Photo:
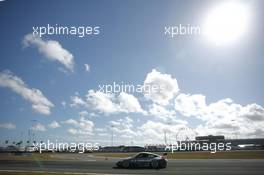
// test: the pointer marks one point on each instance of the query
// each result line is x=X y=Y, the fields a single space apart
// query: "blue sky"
x=131 y=45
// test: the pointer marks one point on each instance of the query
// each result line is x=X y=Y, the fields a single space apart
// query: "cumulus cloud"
x=168 y=87
x=222 y=117
x=129 y=103
x=39 y=102
x=126 y=130
x=245 y=121
x=169 y=107
x=54 y=125
x=71 y=122
x=87 y=67
x=102 y=102
x=164 y=114
x=39 y=127
x=190 y=105
x=165 y=89
x=81 y=126
x=253 y=112
x=83 y=113
x=77 y=102
x=160 y=111
x=7 y=126
x=154 y=132
x=51 y=49
x=123 y=127
x=108 y=103
x=63 y=103
x=72 y=131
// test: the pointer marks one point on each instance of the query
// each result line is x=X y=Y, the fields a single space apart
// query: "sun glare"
x=226 y=23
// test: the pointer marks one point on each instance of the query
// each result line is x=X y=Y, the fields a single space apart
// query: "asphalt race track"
x=220 y=166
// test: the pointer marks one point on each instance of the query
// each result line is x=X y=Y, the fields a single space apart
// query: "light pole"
x=169 y=132
x=235 y=133
x=165 y=136
x=31 y=132
x=112 y=136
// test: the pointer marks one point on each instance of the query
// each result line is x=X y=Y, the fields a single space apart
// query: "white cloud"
x=151 y=132
x=77 y=101
x=253 y=112
x=51 y=49
x=232 y=119
x=39 y=102
x=101 y=101
x=63 y=103
x=108 y=103
x=222 y=117
x=190 y=105
x=87 y=67
x=165 y=114
x=129 y=103
x=83 y=113
x=161 y=112
x=125 y=122
x=54 y=125
x=71 y=122
x=81 y=126
x=72 y=131
x=100 y=129
x=123 y=128
x=39 y=127
x=7 y=126
x=154 y=132
x=168 y=87
x=125 y=131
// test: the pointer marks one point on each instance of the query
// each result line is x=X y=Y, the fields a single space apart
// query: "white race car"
x=143 y=160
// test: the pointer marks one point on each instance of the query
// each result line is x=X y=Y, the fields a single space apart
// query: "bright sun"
x=226 y=23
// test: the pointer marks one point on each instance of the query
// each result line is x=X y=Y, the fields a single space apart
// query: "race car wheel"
x=125 y=164
x=162 y=164
x=155 y=164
